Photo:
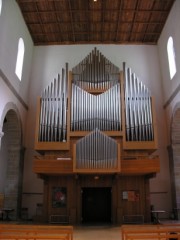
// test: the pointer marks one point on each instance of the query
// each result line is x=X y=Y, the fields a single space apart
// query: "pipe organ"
x=96 y=96
x=96 y=119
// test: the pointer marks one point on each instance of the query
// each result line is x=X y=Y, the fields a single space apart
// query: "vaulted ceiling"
x=95 y=21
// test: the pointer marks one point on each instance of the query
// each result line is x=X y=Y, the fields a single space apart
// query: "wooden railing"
x=51 y=166
x=35 y=232
x=149 y=232
x=140 y=165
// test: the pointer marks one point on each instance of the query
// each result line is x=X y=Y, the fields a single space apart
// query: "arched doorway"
x=11 y=161
x=175 y=160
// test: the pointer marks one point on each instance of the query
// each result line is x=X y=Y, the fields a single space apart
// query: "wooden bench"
x=35 y=232
x=150 y=232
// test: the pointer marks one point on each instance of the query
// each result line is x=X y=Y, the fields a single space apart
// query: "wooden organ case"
x=96 y=129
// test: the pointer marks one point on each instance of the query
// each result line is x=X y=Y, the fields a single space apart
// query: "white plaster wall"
x=171 y=28
x=12 y=27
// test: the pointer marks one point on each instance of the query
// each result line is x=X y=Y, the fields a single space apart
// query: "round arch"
x=9 y=106
x=11 y=166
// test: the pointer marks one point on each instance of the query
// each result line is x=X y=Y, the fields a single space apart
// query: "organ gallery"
x=96 y=141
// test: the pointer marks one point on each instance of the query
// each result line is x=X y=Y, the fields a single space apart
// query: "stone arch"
x=9 y=106
x=11 y=158
x=175 y=156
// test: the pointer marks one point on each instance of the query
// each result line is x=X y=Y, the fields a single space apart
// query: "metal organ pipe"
x=138 y=110
x=53 y=110
x=103 y=110
x=95 y=151
x=95 y=72
x=95 y=111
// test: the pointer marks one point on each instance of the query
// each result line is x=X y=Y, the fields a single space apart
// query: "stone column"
x=1 y=135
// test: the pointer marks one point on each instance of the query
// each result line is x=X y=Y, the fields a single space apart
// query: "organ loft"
x=96 y=144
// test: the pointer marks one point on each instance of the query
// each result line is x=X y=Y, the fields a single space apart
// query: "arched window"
x=171 y=57
x=20 y=58
x=0 y=6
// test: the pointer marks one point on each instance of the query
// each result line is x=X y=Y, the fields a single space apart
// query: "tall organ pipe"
x=94 y=151
x=95 y=111
x=53 y=107
x=138 y=110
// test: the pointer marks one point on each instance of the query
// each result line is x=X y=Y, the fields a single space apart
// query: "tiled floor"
x=97 y=233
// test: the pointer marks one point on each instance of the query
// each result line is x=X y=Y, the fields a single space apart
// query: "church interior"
x=89 y=111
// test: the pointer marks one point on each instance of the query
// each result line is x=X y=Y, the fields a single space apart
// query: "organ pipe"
x=90 y=111
x=96 y=150
x=138 y=109
x=53 y=111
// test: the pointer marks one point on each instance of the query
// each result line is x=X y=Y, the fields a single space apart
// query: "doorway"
x=96 y=205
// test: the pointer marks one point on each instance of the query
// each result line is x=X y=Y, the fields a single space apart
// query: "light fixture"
x=96 y=177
